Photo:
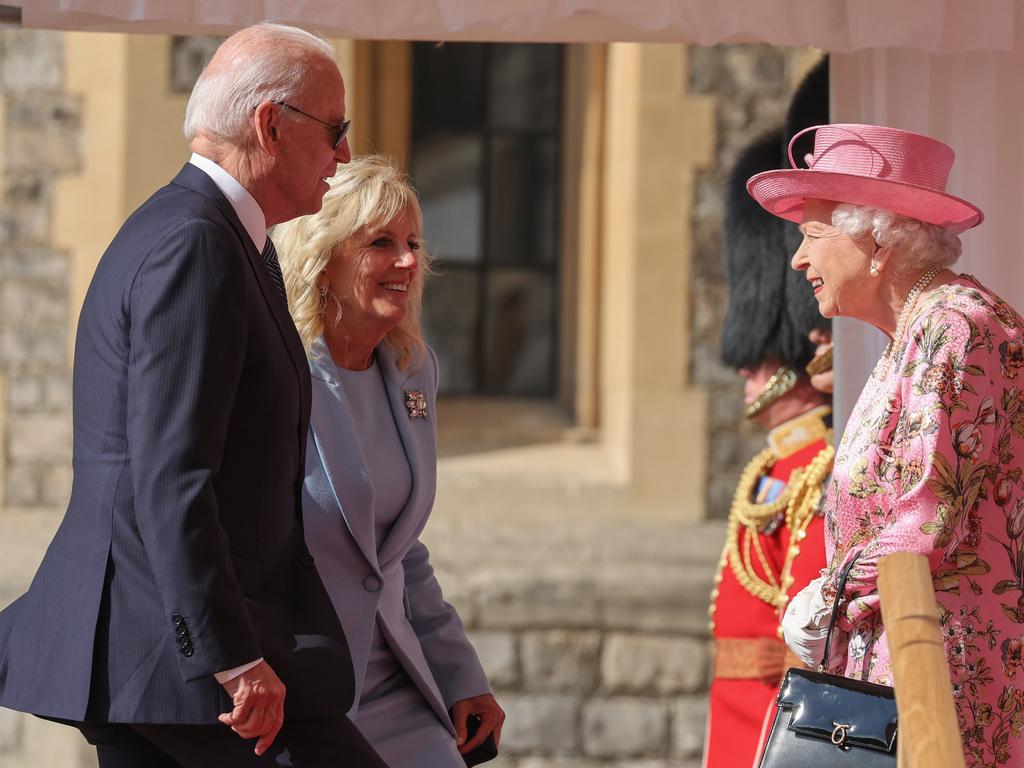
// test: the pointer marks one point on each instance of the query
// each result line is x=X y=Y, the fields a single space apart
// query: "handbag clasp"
x=839 y=733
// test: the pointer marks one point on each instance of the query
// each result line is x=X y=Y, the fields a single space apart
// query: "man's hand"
x=491 y=717
x=258 y=696
x=821 y=380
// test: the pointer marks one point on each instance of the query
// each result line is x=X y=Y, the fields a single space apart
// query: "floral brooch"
x=416 y=404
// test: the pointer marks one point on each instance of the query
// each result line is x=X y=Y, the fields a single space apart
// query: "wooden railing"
x=928 y=736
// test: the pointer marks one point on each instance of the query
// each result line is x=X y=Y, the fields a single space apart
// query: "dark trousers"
x=328 y=743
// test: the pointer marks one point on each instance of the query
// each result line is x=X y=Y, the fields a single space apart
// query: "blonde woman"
x=354 y=274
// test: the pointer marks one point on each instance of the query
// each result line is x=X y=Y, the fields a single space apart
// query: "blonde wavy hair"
x=366 y=194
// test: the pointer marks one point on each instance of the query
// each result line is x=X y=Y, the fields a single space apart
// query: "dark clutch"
x=486 y=751
x=825 y=721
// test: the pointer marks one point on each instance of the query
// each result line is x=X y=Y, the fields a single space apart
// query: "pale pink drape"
x=974 y=102
x=835 y=25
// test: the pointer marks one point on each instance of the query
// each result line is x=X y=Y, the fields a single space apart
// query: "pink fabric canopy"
x=939 y=26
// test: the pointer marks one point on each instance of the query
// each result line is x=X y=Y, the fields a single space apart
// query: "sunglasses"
x=340 y=131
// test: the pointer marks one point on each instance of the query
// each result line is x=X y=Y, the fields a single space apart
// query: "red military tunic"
x=750 y=656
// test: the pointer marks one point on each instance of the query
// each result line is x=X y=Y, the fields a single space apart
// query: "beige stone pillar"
x=653 y=422
x=131 y=144
x=3 y=441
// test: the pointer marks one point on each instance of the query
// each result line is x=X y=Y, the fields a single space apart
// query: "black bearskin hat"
x=808 y=107
x=771 y=306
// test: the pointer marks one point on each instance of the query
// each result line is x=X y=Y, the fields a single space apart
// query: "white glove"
x=805 y=623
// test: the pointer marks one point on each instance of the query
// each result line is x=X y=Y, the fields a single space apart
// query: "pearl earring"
x=873 y=271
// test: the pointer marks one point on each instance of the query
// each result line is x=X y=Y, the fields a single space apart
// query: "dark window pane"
x=523 y=201
x=520 y=330
x=524 y=92
x=448 y=87
x=447 y=173
x=449 y=326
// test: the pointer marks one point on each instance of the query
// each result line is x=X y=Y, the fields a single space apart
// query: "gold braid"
x=800 y=500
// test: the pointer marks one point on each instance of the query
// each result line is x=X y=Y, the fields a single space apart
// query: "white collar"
x=245 y=205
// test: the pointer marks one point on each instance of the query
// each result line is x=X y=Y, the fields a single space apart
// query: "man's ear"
x=266 y=122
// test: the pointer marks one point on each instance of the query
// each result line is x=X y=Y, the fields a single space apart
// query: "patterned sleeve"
x=940 y=439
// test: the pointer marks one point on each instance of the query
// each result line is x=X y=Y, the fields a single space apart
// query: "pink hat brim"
x=784 y=191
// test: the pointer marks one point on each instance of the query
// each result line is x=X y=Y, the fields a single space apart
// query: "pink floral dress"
x=931 y=462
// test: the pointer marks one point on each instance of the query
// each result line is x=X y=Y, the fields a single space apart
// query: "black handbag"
x=486 y=751
x=827 y=721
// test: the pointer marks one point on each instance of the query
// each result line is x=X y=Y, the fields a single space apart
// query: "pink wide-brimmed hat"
x=869 y=165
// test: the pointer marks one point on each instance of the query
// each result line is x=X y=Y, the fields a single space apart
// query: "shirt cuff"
x=230 y=674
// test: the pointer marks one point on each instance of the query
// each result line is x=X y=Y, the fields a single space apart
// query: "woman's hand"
x=491 y=718
x=805 y=623
x=824 y=379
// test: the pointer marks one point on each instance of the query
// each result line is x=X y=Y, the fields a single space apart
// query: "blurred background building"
x=590 y=438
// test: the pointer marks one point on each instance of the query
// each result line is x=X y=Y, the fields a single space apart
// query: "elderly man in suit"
x=178 y=591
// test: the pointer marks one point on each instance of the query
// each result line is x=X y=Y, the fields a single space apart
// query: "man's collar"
x=799 y=432
x=245 y=205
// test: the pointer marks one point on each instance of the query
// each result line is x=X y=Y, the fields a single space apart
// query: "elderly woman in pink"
x=932 y=455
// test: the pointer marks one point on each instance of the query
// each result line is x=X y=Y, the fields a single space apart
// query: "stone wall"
x=591 y=622
x=751 y=86
x=40 y=143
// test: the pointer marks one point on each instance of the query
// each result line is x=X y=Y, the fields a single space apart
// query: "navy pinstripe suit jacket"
x=181 y=553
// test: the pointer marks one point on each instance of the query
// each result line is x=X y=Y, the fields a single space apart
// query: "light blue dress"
x=393 y=714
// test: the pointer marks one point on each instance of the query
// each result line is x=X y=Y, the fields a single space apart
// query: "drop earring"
x=873 y=270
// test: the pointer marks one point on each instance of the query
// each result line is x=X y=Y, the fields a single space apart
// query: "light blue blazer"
x=393 y=578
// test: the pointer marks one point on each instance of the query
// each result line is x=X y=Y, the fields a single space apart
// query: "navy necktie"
x=274 y=267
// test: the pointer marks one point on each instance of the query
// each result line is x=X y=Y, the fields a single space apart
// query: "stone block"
x=56 y=486
x=689 y=716
x=24 y=537
x=504 y=761
x=625 y=727
x=560 y=660
x=542 y=603
x=32 y=349
x=41 y=148
x=548 y=724
x=652 y=664
x=24 y=393
x=10 y=730
x=29 y=223
x=58 y=391
x=39 y=437
x=33 y=60
x=497 y=652
x=51 y=745
x=33 y=304
x=36 y=263
x=22 y=485
x=673 y=600
x=188 y=57
x=27 y=188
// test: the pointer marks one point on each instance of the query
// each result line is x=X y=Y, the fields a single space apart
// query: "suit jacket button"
x=307 y=560
x=371 y=583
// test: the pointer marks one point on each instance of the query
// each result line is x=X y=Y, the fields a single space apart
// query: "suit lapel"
x=334 y=433
x=195 y=179
x=419 y=439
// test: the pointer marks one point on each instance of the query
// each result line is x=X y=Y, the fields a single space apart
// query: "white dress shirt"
x=255 y=223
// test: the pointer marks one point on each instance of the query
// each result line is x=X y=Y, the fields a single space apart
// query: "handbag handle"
x=840 y=586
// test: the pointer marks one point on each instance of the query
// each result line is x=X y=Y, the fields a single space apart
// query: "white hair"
x=265 y=62
x=916 y=244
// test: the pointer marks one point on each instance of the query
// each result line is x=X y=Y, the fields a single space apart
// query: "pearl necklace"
x=882 y=367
